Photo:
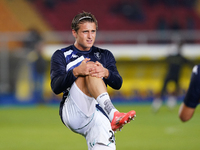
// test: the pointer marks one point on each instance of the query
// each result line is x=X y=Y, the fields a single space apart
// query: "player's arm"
x=114 y=79
x=192 y=97
x=185 y=112
x=60 y=78
x=108 y=71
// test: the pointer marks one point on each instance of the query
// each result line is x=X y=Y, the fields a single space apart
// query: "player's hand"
x=99 y=71
x=84 y=68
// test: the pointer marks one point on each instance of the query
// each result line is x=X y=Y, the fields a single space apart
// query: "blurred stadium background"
x=140 y=33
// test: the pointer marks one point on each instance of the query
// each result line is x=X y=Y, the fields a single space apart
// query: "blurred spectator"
x=39 y=68
x=175 y=63
x=179 y=3
x=190 y=23
x=175 y=25
x=32 y=39
x=188 y=3
x=130 y=9
x=152 y=2
x=161 y=24
x=50 y=3
x=171 y=3
x=34 y=46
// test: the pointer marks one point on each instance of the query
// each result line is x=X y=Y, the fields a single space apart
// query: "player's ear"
x=74 y=33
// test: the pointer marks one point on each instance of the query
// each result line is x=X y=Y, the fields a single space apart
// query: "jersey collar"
x=83 y=52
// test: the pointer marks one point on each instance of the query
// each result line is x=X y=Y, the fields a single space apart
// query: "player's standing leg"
x=80 y=115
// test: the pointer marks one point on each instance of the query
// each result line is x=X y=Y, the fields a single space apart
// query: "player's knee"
x=93 y=79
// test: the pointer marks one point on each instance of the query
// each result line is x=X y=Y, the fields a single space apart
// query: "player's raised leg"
x=98 y=90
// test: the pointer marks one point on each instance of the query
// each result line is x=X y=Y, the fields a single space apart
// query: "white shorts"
x=93 y=125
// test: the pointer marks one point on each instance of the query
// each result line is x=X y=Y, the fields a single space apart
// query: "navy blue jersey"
x=65 y=60
x=193 y=94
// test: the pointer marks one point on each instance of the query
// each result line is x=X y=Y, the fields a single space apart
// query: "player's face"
x=85 y=36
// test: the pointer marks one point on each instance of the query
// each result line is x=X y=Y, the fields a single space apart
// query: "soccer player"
x=82 y=71
x=192 y=97
x=175 y=64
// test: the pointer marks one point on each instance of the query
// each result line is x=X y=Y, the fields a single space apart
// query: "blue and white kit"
x=77 y=110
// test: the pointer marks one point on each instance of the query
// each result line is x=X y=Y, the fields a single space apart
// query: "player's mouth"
x=89 y=41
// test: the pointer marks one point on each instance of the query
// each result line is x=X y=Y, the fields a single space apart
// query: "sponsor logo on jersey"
x=74 y=56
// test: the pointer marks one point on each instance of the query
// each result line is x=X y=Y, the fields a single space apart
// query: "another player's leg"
x=157 y=102
x=172 y=96
x=98 y=90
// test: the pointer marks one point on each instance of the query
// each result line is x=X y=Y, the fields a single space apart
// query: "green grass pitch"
x=40 y=128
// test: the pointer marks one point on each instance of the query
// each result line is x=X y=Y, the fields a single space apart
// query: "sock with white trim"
x=106 y=104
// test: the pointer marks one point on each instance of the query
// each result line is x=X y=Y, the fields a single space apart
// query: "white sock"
x=106 y=104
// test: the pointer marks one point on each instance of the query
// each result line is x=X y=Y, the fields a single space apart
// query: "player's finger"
x=86 y=60
x=96 y=75
x=98 y=63
x=92 y=71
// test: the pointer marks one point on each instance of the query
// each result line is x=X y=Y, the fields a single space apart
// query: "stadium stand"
x=111 y=17
x=26 y=15
x=12 y=24
x=142 y=77
x=9 y=25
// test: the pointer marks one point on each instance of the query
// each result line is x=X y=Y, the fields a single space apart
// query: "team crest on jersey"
x=97 y=55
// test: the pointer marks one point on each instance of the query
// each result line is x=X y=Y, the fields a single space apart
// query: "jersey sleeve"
x=114 y=79
x=61 y=79
x=193 y=94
